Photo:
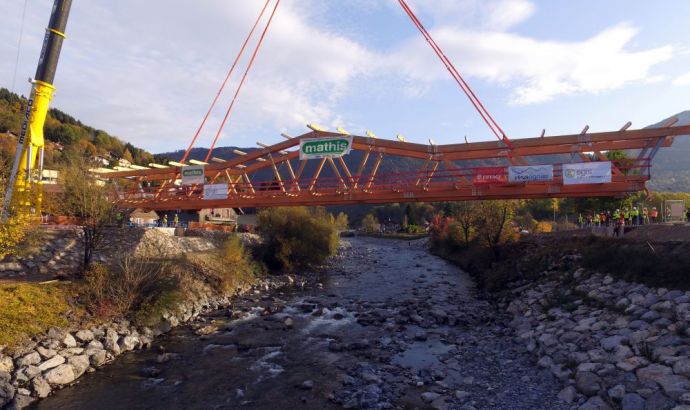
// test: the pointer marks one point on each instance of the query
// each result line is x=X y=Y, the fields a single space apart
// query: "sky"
x=146 y=71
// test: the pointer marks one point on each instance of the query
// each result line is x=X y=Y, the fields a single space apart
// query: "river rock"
x=682 y=367
x=617 y=392
x=674 y=385
x=95 y=345
x=429 y=396
x=40 y=387
x=128 y=343
x=595 y=403
x=6 y=364
x=79 y=364
x=307 y=385
x=653 y=372
x=568 y=394
x=61 y=375
x=21 y=401
x=54 y=361
x=45 y=352
x=98 y=357
x=69 y=340
x=612 y=342
x=29 y=359
x=633 y=401
x=6 y=392
x=84 y=336
x=588 y=383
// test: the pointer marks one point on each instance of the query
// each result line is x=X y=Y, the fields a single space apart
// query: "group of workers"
x=620 y=217
x=165 y=223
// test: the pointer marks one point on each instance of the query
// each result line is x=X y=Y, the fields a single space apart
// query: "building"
x=140 y=217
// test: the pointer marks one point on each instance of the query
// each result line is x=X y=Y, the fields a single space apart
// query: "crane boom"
x=24 y=185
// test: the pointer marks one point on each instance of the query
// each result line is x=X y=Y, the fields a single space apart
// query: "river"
x=392 y=327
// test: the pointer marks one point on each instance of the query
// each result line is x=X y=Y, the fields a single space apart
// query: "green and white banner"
x=192 y=175
x=327 y=147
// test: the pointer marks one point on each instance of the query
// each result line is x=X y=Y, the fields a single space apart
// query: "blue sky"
x=146 y=71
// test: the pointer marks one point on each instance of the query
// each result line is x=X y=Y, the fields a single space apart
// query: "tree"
x=493 y=218
x=370 y=224
x=88 y=200
x=295 y=238
x=465 y=214
x=341 y=221
x=13 y=229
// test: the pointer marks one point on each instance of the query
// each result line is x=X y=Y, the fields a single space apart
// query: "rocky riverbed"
x=391 y=326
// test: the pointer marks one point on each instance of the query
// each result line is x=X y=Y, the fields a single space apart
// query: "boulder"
x=595 y=403
x=674 y=386
x=54 y=361
x=653 y=372
x=617 y=392
x=568 y=394
x=588 y=383
x=633 y=401
x=429 y=396
x=69 y=340
x=612 y=342
x=6 y=392
x=98 y=358
x=40 y=387
x=29 y=359
x=61 y=375
x=45 y=352
x=6 y=364
x=128 y=343
x=682 y=367
x=79 y=364
x=84 y=336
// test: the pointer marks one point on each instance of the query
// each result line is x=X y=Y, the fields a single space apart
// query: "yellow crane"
x=24 y=189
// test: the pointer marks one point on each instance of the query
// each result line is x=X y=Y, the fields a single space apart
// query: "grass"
x=27 y=309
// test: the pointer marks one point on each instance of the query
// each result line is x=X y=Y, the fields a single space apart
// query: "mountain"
x=671 y=166
x=64 y=134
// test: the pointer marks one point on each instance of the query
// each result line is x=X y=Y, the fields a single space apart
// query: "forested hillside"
x=64 y=135
x=671 y=166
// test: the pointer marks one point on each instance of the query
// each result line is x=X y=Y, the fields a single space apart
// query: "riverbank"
x=579 y=308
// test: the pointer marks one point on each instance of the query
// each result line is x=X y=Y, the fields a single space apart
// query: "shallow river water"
x=392 y=327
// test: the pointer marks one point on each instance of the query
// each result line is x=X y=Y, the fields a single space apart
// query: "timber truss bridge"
x=274 y=175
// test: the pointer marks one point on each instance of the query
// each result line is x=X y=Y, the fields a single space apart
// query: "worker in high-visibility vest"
x=616 y=215
x=597 y=219
x=581 y=220
x=654 y=214
x=645 y=216
x=635 y=215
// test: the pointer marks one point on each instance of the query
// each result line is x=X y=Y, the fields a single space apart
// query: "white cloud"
x=536 y=70
x=682 y=80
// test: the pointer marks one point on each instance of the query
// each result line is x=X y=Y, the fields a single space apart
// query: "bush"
x=227 y=267
x=295 y=238
x=131 y=283
x=370 y=224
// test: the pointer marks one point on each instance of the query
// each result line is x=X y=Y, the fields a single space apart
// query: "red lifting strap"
x=244 y=77
x=222 y=86
x=483 y=112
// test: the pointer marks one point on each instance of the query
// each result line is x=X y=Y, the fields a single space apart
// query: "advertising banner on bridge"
x=530 y=173
x=587 y=173
x=215 y=191
x=327 y=147
x=490 y=175
x=193 y=174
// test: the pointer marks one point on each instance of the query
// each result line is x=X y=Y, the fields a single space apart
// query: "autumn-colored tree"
x=89 y=200
x=493 y=219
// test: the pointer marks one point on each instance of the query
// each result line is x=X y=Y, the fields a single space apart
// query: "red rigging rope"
x=483 y=112
x=244 y=77
x=222 y=86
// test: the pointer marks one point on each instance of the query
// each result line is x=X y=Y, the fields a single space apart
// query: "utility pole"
x=25 y=185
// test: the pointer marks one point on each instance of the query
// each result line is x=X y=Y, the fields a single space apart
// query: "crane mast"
x=24 y=193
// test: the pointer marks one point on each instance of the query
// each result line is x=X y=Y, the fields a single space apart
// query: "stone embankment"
x=59 y=357
x=612 y=343
x=60 y=252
